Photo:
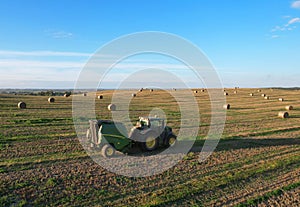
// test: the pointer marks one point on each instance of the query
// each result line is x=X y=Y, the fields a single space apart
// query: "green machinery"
x=149 y=133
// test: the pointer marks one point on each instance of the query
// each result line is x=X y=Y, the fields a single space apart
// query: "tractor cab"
x=156 y=125
x=152 y=122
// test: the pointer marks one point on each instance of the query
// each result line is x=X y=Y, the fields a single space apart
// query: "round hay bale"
x=22 y=105
x=251 y=94
x=235 y=92
x=226 y=106
x=202 y=90
x=263 y=95
x=225 y=94
x=51 y=100
x=195 y=91
x=281 y=99
x=100 y=97
x=111 y=107
x=84 y=94
x=283 y=114
x=267 y=97
x=151 y=90
x=133 y=95
x=141 y=89
x=66 y=95
x=258 y=90
x=289 y=108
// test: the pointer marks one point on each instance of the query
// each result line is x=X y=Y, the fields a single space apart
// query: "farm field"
x=257 y=162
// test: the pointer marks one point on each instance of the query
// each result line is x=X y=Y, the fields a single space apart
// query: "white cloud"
x=275 y=36
x=294 y=20
x=289 y=26
x=61 y=35
x=296 y=5
x=53 y=54
x=43 y=53
x=277 y=28
x=26 y=68
x=39 y=74
x=15 y=63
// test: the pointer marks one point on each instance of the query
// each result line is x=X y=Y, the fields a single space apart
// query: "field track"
x=257 y=162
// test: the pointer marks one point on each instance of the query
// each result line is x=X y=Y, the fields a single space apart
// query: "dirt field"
x=257 y=162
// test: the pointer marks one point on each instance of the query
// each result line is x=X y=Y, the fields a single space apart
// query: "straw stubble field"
x=257 y=162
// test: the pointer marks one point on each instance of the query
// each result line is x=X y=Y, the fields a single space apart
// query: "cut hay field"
x=257 y=162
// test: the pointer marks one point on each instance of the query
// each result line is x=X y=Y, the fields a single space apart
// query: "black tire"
x=108 y=151
x=171 y=141
x=150 y=142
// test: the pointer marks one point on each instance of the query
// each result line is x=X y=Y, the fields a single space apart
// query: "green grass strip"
x=277 y=192
x=197 y=186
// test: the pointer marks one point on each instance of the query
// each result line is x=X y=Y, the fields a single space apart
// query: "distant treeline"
x=36 y=92
x=52 y=93
x=291 y=88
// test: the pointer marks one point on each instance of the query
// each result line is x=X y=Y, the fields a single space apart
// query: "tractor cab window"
x=157 y=123
x=144 y=122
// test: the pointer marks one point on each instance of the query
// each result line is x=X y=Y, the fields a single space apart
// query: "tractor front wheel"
x=171 y=141
x=150 y=143
x=108 y=151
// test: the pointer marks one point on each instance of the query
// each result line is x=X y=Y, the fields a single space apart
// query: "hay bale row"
x=22 y=105
x=112 y=107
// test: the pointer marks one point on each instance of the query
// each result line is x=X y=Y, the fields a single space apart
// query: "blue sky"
x=45 y=44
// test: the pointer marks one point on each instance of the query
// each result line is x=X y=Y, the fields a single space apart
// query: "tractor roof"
x=151 y=118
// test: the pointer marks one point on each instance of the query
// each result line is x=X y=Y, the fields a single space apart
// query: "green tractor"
x=149 y=133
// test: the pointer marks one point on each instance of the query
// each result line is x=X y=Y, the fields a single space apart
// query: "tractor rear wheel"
x=150 y=143
x=108 y=151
